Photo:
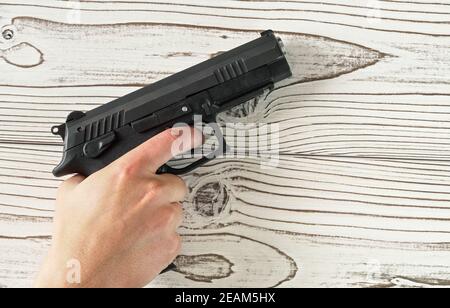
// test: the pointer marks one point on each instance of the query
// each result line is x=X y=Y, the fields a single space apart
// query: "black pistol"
x=94 y=139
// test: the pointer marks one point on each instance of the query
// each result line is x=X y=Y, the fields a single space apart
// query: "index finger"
x=157 y=151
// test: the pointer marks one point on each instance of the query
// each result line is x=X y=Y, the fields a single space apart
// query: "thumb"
x=69 y=185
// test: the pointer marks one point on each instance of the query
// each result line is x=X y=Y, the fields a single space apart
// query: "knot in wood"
x=8 y=34
x=211 y=199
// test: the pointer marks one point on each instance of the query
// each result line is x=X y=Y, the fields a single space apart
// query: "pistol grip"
x=205 y=159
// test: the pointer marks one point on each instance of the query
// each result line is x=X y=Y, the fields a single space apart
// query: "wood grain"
x=361 y=195
x=66 y=50
x=309 y=209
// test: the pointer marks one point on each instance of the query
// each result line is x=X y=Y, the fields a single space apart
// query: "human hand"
x=119 y=225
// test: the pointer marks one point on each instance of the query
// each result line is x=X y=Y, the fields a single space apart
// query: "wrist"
x=49 y=278
x=57 y=274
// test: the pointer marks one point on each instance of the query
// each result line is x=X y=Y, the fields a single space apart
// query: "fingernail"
x=177 y=132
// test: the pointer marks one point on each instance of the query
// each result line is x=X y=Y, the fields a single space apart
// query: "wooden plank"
x=362 y=218
x=354 y=123
x=407 y=126
x=392 y=200
x=316 y=262
x=63 y=58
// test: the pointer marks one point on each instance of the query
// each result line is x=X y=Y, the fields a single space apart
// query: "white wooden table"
x=362 y=194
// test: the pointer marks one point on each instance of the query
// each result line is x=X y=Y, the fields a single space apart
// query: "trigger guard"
x=180 y=171
x=223 y=148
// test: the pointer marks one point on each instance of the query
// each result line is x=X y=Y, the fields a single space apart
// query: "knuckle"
x=172 y=215
x=154 y=189
x=169 y=215
x=177 y=183
x=156 y=185
x=182 y=184
x=123 y=172
x=163 y=221
x=178 y=208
